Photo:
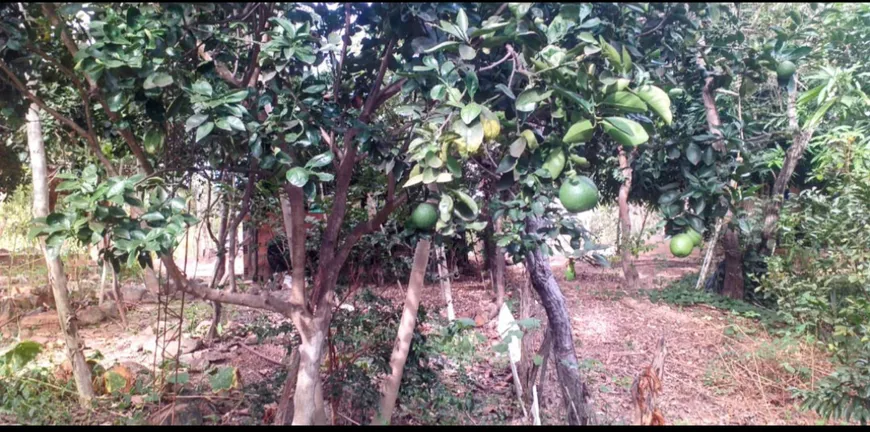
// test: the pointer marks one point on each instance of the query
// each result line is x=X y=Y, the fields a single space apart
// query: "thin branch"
x=509 y=54
x=368 y=108
x=345 y=40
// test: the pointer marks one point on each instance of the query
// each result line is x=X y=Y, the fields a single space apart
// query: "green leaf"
x=159 y=79
x=178 y=378
x=152 y=216
x=526 y=100
x=225 y=378
x=506 y=90
x=472 y=135
x=467 y=53
x=203 y=130
x=625 y=102
x=657 y=100
x=202 y=87
x=153 y=140
x=693 y=153
x=235 y=123
x=413 y=180
x=470 y=112
x=116 y=189
x=297 y=176
x=19 y=355
x=610 y=53
x=579 y=132
x=507 y=164
x=194 y=121
x=517 y=147
x=320 y=160
x=465 y=207
x=234 y=97
x=626 y=132
x=440 y=47
x=445 y=207
x=462 y=22
x=471 y=83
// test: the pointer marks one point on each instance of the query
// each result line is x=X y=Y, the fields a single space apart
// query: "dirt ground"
x=720 y=368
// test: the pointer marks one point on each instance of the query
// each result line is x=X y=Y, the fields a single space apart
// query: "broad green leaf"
x=234 y=97
x=626 y=132
x=203 y=130
x=20 y=354
x=470 y=112
x=413 y=180
x=518 y=147
x=152 y=216
x=445 y=207
x=465 y=207
x=526 y=100
x=159 y=79
x=555 y=163
x=626 y=60
x=297 y=176
x=178 y=378
x=610 y=53
x=429 y=176
x=434 y=161
x=235 y=123
x=194 y=121
x=467 y=53
x=472 y=135
x=531 y=139
x=153 y=140
x=579 y=132
x=444 y=177
x=224 y=378
x=202 y=87
x=693 y=153
x=657 y=100
x=625 y=102
x=462 y=22
x=320 y=160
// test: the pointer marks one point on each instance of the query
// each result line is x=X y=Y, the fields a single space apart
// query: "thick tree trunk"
x=444 y=278
x=628 y=269
x=308 y=396
x=152 y=284
x=574 y=392
x=65 y=314
x=405 y=334
x=733 y=286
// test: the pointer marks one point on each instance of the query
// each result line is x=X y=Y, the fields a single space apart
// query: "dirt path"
x=711 y=376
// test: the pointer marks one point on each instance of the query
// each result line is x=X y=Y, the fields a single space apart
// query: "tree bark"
x=733 y=286
x=219 y=270
x=574 y=392
x=628 y=269
x=284 y=414
x=405 y=334
x=444 y=278
x=65 y=314
x=793 y=156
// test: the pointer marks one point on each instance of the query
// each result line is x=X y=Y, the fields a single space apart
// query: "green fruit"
x=425 y=216
x=785 y=70
x=695 y=235
x=682 y=245
x=555 y=163
x=569 y=271
x=578 y=194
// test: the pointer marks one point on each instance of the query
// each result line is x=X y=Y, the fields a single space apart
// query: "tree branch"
x=369 y=106
x=364 y=228
x=345 y=40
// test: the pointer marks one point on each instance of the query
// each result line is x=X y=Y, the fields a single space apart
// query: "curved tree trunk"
x=65 y=314
x=628 y=269
x=574 y=392
x=405 y=334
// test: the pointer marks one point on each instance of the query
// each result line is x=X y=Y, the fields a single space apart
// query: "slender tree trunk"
x=444 y=277
x=218 y=273
x=793 y=156
x=65 y=314
x=497 y=268
x=628 y=269
x=525 y=367
x=733 y=285
x=405 y=334
x=574 y=392
x=119 y=299
x=103 y=282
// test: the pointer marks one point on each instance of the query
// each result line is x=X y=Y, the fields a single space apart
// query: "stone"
x=90 y=315
x=198 y=365
x=110 y=309
x=251 y=339
x=186 y=414
x=133 y=293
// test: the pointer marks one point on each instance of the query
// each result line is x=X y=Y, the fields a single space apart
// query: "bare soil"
x=720 y=368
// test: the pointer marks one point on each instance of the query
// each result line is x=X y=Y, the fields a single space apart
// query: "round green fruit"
x=425 y=216
x=578 y=194
x=785 y=70
x=682 y=245
x=695 y=235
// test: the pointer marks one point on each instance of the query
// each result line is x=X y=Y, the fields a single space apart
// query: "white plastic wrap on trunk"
x=506 y=324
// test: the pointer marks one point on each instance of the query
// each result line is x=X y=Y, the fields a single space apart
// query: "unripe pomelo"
x=695 y=235
x=682 y=245
x=425 y=216
x=578 y=194
x=785 y=70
